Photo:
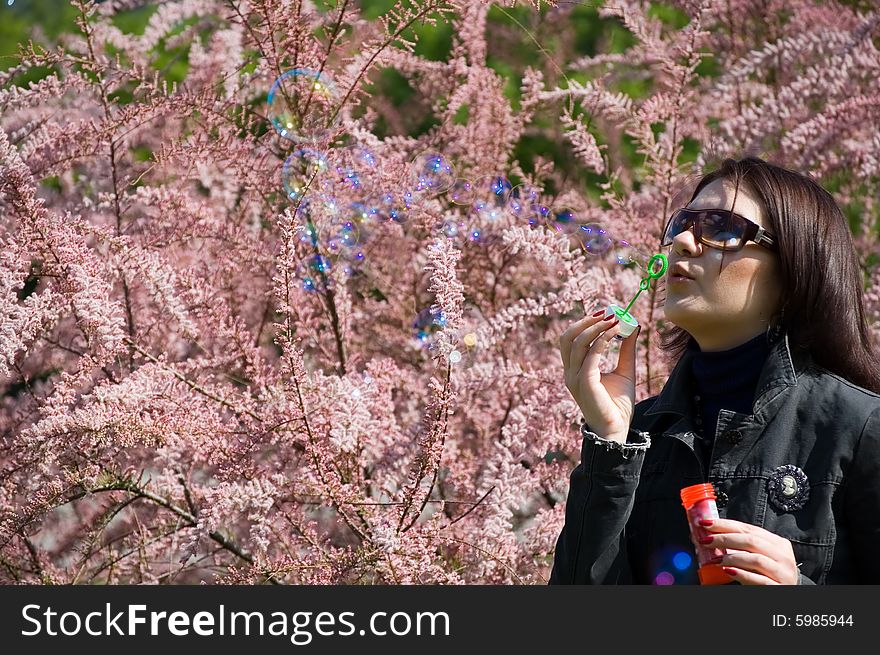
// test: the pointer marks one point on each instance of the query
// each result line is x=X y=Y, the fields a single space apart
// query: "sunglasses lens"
x=722 y=230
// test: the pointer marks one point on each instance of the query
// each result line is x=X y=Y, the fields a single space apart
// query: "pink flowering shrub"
x=254 y=330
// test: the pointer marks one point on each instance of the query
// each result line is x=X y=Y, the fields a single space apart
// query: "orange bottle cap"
x=695 y=493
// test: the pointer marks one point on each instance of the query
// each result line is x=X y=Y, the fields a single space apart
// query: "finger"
x=626 y=363
x=748 y=577
x=565 y=340
x=719 y=526
x=588 y=347
x=726 y=525
x=755 y=562
x=581 y=341
x=752 y=543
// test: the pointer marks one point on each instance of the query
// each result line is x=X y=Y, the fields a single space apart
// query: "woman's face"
x=723 y=306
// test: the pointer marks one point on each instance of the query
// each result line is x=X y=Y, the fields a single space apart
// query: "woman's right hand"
x=606 y=400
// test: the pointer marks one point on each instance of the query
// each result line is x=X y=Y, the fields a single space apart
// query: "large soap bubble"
x=303 y=105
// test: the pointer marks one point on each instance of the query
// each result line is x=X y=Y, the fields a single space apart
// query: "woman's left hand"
x=762 y=557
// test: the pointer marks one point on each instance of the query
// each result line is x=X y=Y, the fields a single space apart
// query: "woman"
x=775 y=399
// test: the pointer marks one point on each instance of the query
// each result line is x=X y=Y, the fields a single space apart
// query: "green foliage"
x=671 y=16
x=135 y=20
x=17 y=22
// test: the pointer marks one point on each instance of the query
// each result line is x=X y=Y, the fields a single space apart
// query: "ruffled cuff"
x=636 y=440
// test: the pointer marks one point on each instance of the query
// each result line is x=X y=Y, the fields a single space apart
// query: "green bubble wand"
x=628 y=322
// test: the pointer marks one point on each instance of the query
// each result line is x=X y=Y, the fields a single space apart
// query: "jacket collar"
x=781 y=369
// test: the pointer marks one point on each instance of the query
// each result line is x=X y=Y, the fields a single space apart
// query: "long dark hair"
x=822 y=283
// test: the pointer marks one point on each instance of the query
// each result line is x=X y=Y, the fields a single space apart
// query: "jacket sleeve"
x=863 y=502
x=591 y=549
x=804 y=580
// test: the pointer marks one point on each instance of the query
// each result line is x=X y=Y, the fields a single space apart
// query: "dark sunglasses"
x=717 y=228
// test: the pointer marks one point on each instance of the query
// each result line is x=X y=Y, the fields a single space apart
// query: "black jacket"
x=805 y=465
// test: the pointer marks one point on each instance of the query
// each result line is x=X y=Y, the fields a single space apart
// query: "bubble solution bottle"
x=699 y=503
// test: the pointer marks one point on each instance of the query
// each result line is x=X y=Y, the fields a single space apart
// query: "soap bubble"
x=428 y=321
x=313 y=274
x=565 y=220
x=594 y=239
x=351 y=261
x=362 y=213
x=431 y=173
x=521 y=199
x=462 y=192
x=303 y=105
x=344 y=236
x=393 y=206
x=303 y=171
x=332 y=238
x=353 y=166
x=308 y=233
x=475 y=235
x=622 y=252
x=539 y=215
x=453 y=228
x=491 y=195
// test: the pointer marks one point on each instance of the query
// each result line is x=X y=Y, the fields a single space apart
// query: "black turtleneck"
x=727 y=379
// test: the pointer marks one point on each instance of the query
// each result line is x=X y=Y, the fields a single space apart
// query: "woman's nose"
x=686 y=242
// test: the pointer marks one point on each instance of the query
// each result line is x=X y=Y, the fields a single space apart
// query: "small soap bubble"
x=393 y=207
x=345 y=236
x=521 y=199
x=594 y=239
x=319 y=264
x=428 y=321
x=455 y=357
x=565 y=220
x=470 y=339
x=302 y=172
x=539 y=215
x=462 y=192
x=308 y=233
x=452 y=228
x=491 y=195
x=431 y=173
x=303 y=105
x=362 y=213
x=624 y=254
x=353 y=167
x=313 y=273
